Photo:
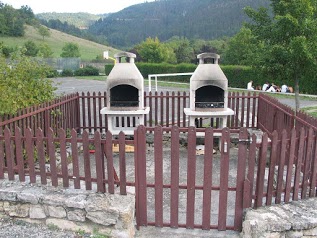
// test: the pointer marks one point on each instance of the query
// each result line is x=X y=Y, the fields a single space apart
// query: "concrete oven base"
x=124 y=119
x=209 y=114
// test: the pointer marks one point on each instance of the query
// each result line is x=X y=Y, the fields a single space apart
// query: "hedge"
x=238 y=76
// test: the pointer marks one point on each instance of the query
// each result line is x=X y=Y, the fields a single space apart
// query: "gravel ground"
x=14 y=228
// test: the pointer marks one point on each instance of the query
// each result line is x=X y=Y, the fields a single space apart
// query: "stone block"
x=1 y=206
x=294 y=234
x=76 y=215
x=103 y=218
x=310 y=232
x=56 y=211
x=17 y=210
x=8 y=195
x=55 y=199
x=77 y=201
x=97 y=202
x=30 y=195
x=37 y=212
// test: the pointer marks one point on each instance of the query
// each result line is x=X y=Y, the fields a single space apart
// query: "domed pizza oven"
x=208 y=91
x=125 y=95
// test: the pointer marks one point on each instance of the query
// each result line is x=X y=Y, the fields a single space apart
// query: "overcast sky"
x=90 y=6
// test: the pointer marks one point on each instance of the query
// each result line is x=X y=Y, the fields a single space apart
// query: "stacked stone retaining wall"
x=292 y=220
x=69 y=209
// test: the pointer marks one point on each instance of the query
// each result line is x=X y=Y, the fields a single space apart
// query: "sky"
x=90 y=6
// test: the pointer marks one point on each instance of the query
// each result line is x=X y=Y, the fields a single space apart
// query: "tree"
x=242 y=48
x=45 y=51
x=44 y=31
x=31 y=48
x=23 y=83
x=70 y=50
x=152 y=51
x=289 y=40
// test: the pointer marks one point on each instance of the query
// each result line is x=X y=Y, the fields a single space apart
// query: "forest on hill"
x=81 y=20
x=193 y=19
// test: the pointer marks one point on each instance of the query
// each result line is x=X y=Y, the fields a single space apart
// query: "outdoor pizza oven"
x=125 y=96
x=124 y=85
x=208 y=85
x=208 y=94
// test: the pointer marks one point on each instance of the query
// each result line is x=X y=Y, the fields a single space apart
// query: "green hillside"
x=88 y=49
x=193 y=19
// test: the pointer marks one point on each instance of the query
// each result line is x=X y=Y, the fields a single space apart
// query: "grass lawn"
x=310 y=110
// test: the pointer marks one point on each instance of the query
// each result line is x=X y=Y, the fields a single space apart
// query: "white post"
x=155 y=83
x=150 y=87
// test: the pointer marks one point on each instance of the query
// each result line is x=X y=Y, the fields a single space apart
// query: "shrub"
x=87 y=71
x=23 y=83
x=67 y=73
x=52 y=73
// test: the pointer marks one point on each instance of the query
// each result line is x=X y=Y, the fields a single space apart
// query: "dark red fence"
x=196 y=189
x=167 y=109
x=201 y=186
x=82 y=111
x=273 y=115
x=63 y=158
x=62 y=112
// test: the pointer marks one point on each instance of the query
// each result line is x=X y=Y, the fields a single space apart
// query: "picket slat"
x=290 y=166
x=19 y=154
x=174 y=176
x=299 y=163
x=280 y=181
x=158 y=165
x=224 y=179
x=122 y=163
x=208 y=160
x=191 y=174
x=307 y=163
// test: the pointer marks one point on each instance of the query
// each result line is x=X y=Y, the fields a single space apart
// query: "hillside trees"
x=289 y=40
x=12 y=20
x=23 y=83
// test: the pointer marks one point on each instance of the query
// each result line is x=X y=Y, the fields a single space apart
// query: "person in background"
x=271 y=88
x=249 y=86
x=284 y=88
x=265 y=86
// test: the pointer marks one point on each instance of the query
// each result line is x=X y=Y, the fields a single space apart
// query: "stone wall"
x=292 y=220
x=69 y=209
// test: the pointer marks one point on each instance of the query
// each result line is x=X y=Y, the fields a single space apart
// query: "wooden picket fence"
x=253 y=174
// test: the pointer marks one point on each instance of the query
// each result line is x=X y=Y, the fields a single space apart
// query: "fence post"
x=140 y=176
x=242 y=154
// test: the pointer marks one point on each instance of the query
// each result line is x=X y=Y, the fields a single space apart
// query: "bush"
x=87 y=71
x=23 y=83
x=67 y=73
x=52 y=73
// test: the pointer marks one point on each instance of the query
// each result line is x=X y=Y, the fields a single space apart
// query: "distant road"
x=72 y=85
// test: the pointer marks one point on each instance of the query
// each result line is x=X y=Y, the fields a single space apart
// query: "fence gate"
x=176 y=186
